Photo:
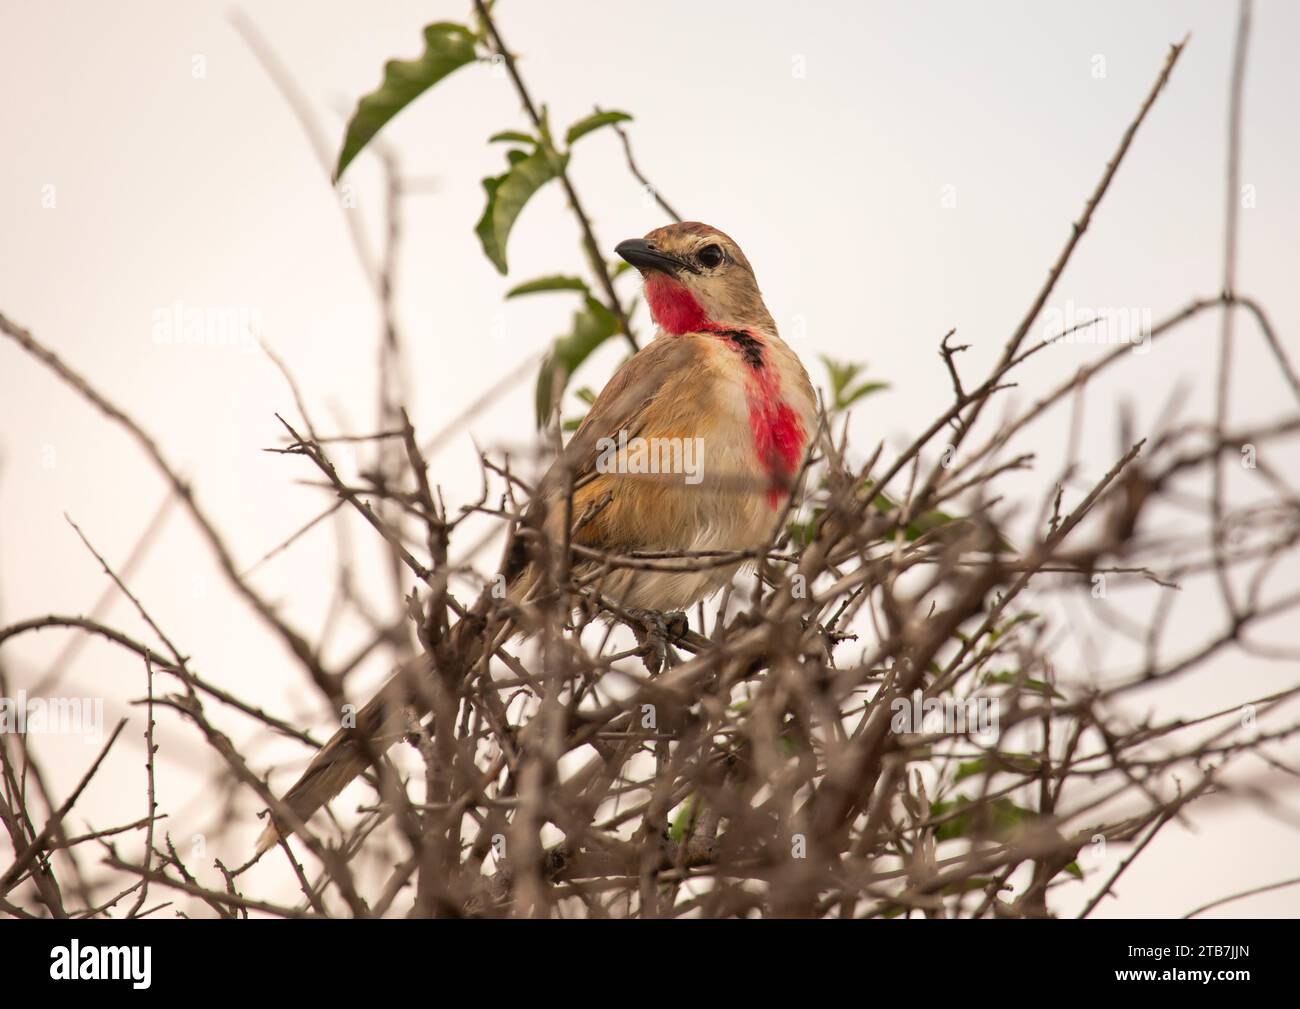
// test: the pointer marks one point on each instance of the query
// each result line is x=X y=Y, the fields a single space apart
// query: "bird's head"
x=696 y=278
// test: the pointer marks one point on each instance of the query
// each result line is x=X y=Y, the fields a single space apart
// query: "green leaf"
x=996 y=817
x=447 y=47
x=507 y=194
x=1020 y=618
x=842 y=374
x=592 y=326
x=968 y=885
x=801 y=533
x=556 y=282
x=513 y=137
x=931 y=520
x=573 y=423
x=1075 y=870
x=919 y=526
x=1029 y=683
x=683 y=820
x=1013 y=763
x=927 y=522
x=846 y=400
x=594 y=122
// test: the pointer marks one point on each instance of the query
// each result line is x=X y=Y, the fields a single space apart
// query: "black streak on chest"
x=750 y=349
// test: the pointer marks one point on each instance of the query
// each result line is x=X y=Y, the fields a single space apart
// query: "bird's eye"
x=710 y=256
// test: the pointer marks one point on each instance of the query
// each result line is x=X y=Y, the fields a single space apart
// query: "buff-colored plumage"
x=698 y=392
x=689 y=385
x=716 y=371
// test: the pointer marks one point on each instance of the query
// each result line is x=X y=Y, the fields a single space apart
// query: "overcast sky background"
x=828 y=138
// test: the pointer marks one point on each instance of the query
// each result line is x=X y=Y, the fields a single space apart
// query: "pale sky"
x=892 y=170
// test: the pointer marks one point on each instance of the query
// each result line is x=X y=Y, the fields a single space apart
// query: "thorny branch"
x=797 y=754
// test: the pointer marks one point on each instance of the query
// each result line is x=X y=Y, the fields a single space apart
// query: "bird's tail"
x=384 y=720
x=380 y=724
x=348 y=753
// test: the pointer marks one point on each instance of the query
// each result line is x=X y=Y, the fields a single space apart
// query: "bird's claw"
x=654 y=632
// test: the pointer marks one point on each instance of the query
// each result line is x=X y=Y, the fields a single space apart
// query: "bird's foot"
x=655 y=631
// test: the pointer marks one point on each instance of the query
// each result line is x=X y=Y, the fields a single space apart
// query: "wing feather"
x=654 y=393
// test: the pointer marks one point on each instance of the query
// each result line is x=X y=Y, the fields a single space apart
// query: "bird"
x=716 y=377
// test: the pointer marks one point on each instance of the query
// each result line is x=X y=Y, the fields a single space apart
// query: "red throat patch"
x=674 y=307
x=778 y=433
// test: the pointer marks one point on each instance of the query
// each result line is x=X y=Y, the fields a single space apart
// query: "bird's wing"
x=660 y=371
x=653 y=391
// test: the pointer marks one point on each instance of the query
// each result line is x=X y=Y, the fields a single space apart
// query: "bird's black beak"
x=644 y=255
